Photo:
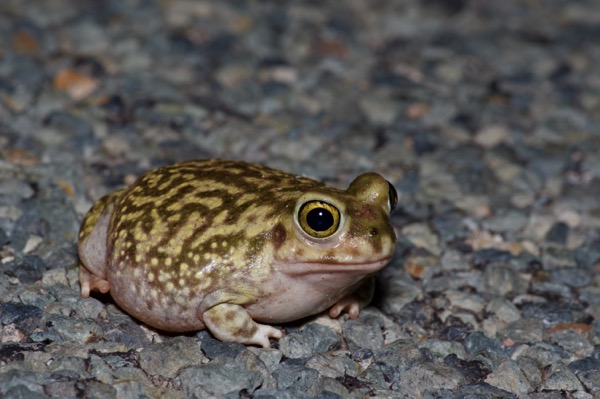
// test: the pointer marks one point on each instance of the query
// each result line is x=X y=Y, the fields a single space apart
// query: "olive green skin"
x=220 y=245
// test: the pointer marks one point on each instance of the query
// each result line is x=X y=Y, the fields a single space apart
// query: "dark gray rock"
x=590 y=295
x=510 y=377
x=471 y=370
x=506 y=221
x=3 y=238
x=427 y=378
x=72 y=329
x=482 y=348
x=167 y=358
x=443 y=348
x=75 y=366
x=557 y=257
x=551 y=290
x=25 y=317
x=458 y=280
x=99 y=390
x=313 y=338
x=586 y=364
x=273 y=393
x=47 y=214
x=22 y=392
x=213 y=348
x=400 y=354
x=454 y=260
x=554 y=312
x=28 y=269
x=14 y=188
x=558 y=378
x=481 y=390
x=123 y=329
x=575 y=278
x=590 y=379
x=492 y=255
x=295 y=377
x=254 y=362
x=21 y=381
x=532 y=369
x=397 y=293
x=364 y=332
x=219 y=378
x=450 y=227
x=545 y=354
x=524 y=330
x=595 y=332
x=558 y=233
x=588 y=254
x=334 y=364
x=379 y=376
x=501 y=279
x=572 y=341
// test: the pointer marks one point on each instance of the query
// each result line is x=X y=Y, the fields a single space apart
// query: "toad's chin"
x=359 y=268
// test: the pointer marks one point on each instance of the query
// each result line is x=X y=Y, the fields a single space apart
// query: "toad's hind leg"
x=353 y=303
x=90 y=282
x=229 y=322
x=93 y=246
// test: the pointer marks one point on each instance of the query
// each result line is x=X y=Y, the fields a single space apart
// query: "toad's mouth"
x=304 y=268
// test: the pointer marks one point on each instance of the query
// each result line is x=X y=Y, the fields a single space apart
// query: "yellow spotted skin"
x=218 y=244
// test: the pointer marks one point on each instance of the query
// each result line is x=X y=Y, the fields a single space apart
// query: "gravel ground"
x=484 y=114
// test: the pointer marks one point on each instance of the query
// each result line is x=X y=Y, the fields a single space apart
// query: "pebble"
x=313 y=339
x=213 y=348
x=334 y=365
x=465 y=301
x=556 y=257
x=295 y=377
x=427 y=377
x=422 y=237
x=398 y=293
x=509 y=377
x=453 y=260
x=558 y=377
x=504 y=281
x=491 y=136
x=364 y=332
x=503 y=310
x=506 y=222
x=156 y=359
x=444 y=348
x=400 y=355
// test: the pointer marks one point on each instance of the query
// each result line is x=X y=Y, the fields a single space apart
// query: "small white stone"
x=490 y=136
x=32 y=243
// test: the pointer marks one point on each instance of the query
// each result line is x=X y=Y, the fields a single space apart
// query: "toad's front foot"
x=91 y=282
x=232 y=323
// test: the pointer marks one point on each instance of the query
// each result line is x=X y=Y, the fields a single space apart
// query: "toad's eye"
x=393 y=197
x=319 y=219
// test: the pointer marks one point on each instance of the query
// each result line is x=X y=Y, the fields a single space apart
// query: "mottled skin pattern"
x=218 y=244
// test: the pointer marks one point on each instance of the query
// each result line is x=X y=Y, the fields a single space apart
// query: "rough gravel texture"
x=484 y=114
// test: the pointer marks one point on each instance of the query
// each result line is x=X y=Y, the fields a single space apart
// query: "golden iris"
x=319 y=219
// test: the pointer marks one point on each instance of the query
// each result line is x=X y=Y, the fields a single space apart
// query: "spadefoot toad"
x=228 y=245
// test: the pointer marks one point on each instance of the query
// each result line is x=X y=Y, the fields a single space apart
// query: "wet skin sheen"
x=228 y=245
